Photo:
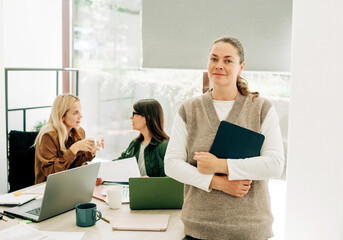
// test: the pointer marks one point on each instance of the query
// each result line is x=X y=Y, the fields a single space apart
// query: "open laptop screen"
x=63 y=191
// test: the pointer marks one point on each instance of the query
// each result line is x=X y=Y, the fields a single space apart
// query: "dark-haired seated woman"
x=150 y=146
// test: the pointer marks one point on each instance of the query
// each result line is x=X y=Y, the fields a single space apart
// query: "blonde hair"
x=59 y=109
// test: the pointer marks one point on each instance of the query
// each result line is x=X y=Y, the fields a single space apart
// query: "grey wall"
x=179 y=33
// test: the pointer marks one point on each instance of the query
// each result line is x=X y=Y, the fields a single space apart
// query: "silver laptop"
x=63 y=191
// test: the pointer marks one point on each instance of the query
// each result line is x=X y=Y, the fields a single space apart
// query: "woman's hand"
x=100 y=142
x=98 y=181
x=237 y=188
x=86 y=145
x=207 y=163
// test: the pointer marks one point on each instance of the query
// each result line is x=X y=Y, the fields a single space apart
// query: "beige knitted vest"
x=216 y=215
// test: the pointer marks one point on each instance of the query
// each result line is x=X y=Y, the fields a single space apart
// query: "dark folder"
x=233 y=141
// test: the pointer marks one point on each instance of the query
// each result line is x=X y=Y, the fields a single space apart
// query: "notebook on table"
x=141 y=222
x=233 y=141
x=13 y=199
x=155 y=193
x=63 y=191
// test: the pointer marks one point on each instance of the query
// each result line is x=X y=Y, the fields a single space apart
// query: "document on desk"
x=12 y=199
x=21 y=231
x=119 y=170
x=63 y=235
x=141 y=222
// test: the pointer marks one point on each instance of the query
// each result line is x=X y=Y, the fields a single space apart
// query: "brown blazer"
x=50 y=159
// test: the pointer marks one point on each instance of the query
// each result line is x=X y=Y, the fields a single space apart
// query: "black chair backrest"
x=21 y=159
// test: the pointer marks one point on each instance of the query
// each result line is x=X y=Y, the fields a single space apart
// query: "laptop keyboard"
x=35 y=211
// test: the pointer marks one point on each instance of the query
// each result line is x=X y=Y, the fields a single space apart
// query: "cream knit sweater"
x=216 y=215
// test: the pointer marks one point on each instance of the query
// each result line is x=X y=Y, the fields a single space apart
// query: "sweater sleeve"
x=47 y=154
x=175 y=161
x=271 y=161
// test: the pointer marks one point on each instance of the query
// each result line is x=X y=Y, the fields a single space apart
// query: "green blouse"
x=153 y=156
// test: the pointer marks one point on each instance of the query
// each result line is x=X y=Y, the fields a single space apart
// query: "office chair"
x=21 y=159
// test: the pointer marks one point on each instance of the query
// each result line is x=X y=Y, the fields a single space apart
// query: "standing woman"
x=61 y=143
x=225 y=198
x=150 y=146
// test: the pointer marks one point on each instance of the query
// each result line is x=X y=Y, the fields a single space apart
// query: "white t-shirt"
x=141 y=162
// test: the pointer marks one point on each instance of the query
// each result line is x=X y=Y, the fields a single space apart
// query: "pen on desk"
x=114 y=182
x=3 y=219
x=106 y=220
x=7 y=215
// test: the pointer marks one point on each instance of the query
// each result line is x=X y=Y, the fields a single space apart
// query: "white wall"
x=3 y=165
x=30 y=37
x=33 y=33
x=315 y=187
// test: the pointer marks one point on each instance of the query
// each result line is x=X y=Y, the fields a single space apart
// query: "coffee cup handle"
x=99 y=215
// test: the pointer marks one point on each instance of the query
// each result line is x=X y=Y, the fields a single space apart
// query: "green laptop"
x=155 y=193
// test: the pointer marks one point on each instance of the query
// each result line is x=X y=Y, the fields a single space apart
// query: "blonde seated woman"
x=61 y=143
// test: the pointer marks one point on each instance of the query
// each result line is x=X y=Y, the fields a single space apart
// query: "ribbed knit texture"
x=216 y=215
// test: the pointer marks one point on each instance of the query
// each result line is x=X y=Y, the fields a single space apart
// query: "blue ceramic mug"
x=86 y=214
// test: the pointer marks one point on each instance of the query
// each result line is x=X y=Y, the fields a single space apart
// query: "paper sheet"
x=120 y=170
x=20 y=232
x=22 y=197
x=24 y=231
x=11 y=199
x=63 y=235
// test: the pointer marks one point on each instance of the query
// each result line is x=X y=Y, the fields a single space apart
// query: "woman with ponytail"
x=225 y=198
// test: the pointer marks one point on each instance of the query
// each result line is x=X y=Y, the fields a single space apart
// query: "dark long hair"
x=152 y=111
x=241 y=84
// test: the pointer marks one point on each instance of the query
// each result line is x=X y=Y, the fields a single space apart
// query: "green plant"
x=39 y=125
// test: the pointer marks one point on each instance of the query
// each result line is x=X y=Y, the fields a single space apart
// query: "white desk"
x=66 y=222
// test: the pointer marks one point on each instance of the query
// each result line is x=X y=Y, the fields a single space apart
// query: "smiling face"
x=72 y=117
x=224 y=65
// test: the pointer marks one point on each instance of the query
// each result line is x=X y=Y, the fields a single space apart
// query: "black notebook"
x=235 y=142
